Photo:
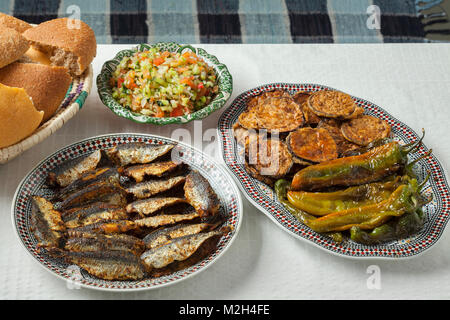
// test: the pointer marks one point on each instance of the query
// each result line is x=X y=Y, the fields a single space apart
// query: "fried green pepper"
x=323 y=203
x=402 y=200
x=399 y=228
x=371 y=166
x=281 y=188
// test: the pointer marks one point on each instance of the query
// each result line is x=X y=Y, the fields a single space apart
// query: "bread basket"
x=73 y=101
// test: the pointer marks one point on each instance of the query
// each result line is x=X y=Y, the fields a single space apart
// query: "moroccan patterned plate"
x=224 y=78
x=33 y=183
x=263 y=197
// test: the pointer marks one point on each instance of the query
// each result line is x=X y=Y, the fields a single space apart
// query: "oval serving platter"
x=33 y=183
x=263 y=197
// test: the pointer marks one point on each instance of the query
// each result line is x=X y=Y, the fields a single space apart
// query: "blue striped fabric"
x=234 y=21
x=349 y=25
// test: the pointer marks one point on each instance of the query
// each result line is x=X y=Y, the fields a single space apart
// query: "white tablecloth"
x=411 y=81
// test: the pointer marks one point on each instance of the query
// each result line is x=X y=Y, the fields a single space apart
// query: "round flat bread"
x=333 y=127
x=332 y=104
x=18 y=116
x=270 y=157
x=313 y=144
x=365 y=129
x=273 y=114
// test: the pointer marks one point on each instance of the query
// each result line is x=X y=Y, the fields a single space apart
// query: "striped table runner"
x=236 y=21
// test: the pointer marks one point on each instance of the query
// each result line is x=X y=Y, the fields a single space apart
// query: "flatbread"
x=332 y=104
x=18 y=116
x=365 y=129
x=313 y=144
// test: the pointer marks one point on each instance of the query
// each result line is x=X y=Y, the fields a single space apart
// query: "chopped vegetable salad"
x=164 y=84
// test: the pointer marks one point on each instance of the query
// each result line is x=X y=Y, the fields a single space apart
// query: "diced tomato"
x=188 y=81
x=131 y=84
x=178 y=111
x=120 y=82
x=159 y=112
x=202 y=90
x=165 y=54
x=158 y=61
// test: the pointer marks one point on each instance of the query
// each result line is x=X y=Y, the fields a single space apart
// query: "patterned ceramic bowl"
x=262 y=196
x=34 y=184
x=224 y=78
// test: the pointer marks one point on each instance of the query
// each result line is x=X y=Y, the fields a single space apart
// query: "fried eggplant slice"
x=252 y=171
x=165 y=220
x=268 y=94
x=240 y=134
x=152 y=187
x=92 y=213
x=98 y=192
x=89 y=242
x=358 y=112
x=130 y=153
x=200 y=194
x=104 y=174
x=163 y=236
x=365 y=129
x=151 y=205
x=269 y=157
x=179 y=249
x=157 y=169
x=108 y=265
x=333 y=127
x=332 y=104
x=47 y=224
x=106 y=227
x=274 y=115
x=312 y=144
x=301 y=98
x=72 y=170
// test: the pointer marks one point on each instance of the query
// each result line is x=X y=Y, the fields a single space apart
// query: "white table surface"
x=411 y=81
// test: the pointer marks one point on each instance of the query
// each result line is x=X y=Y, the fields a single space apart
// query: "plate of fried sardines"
x=127 y=212
x=335 y=170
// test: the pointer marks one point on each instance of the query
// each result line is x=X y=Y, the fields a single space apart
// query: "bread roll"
x=13 y=23
x=46 y=85
x=18 y=116
x=12 y=46
x=36 y=56
x=64 y=43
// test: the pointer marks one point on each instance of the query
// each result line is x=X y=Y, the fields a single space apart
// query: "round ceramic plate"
x=224 y=79
x=263 y=197
x=34 y=181
x=75 y=97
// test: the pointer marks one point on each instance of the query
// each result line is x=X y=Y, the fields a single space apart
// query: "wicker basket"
x=72 y=103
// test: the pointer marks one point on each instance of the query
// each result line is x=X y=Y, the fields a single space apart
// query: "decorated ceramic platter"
x=35 y=184
x=436 y=212
x=224 y=82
